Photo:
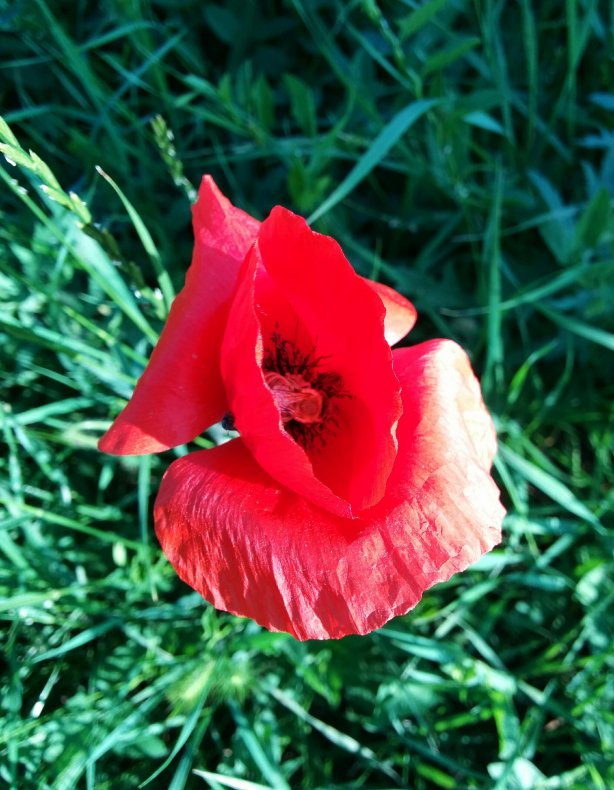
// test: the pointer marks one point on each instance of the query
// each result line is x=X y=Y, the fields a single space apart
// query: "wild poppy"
x=359 y=476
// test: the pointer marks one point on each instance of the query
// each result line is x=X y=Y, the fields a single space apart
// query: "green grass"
x=462 y=152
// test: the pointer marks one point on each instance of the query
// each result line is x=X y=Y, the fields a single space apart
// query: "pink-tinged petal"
x=181 y=391
x=303 y=287
x=251 y=547
x=401 y=315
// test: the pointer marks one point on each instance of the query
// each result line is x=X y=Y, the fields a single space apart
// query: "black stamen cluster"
x=285 y=357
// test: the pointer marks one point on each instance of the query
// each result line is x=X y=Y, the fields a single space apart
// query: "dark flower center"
x=304 y=393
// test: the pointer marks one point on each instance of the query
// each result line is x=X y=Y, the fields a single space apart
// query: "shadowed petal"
x=181 y=392
x=254 y=548
x=400 y=316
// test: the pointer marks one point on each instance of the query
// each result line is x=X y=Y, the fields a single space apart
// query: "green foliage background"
x=460 y=151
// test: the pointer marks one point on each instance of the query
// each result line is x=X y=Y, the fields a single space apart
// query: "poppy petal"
x=181 y=392
x=255 y=414
x=401 y=315
x=252 y=547
x=300 y=285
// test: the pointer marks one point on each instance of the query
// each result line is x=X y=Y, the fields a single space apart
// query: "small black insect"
x=228 y=422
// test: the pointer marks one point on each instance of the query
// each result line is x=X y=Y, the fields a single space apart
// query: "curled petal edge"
x=401 y=315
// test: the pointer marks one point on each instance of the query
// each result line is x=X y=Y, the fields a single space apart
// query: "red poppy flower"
x=360 y=476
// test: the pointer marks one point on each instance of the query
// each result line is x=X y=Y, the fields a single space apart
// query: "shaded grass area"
x=462 y=152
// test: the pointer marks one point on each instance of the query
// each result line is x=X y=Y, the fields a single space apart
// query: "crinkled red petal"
x=401 y=315
x=253 y=548
x=181 y=391
x=300 y=285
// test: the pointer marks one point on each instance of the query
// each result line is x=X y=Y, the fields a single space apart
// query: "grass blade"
x=384 y=141
x=148 y=243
